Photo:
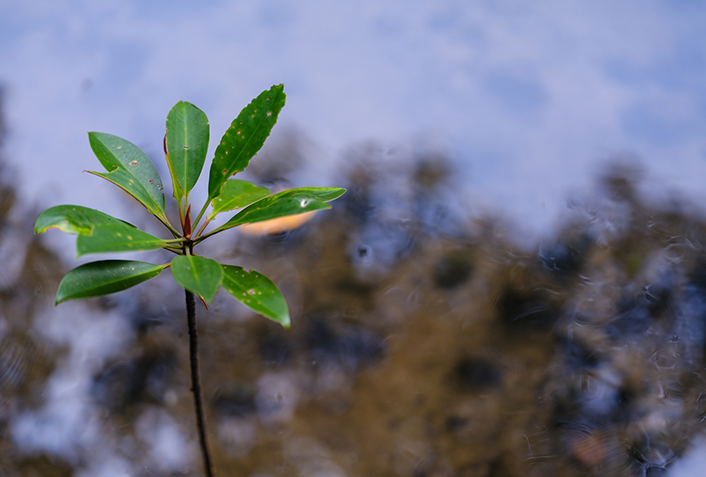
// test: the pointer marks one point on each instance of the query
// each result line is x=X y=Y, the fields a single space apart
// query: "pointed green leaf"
x=288 y=202
x=237 y=194
x=257 y=292
x=98 y=232
x=187 y=145
x=130 y=169
x=104 y=277
x=117 y=238
x=245 y=137
x=281 y=207
x=199 y=275
x=73 y=219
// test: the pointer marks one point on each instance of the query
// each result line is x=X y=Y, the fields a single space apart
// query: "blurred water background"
x=515 y=283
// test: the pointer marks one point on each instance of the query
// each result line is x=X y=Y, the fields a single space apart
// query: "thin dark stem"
x=196 y=383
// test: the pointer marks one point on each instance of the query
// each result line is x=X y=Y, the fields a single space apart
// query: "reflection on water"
x=424 y=343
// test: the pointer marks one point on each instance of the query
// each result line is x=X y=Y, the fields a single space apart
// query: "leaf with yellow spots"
x=257 y=292
x=97 y=232
x=117 y=238
x=130 y=169
x=245 y=137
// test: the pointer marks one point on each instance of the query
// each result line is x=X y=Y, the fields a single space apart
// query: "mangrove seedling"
x=185 y=149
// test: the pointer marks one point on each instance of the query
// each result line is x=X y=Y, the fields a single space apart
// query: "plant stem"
x=166 y=223
x=196 y=383
x=205 y=236
x=203 y=209
x=203 y=227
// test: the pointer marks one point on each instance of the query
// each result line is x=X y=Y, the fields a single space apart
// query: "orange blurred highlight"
x=277 y=226
x=589 y=448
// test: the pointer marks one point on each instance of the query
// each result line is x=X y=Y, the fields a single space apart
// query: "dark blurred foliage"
x=424 y=342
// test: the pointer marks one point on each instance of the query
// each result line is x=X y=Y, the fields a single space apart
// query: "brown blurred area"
x=424 y=343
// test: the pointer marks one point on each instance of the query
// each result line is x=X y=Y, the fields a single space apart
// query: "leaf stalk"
x=203 y=210
x=203 y=227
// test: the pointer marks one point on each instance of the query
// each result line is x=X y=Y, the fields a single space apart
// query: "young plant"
x=185 y=148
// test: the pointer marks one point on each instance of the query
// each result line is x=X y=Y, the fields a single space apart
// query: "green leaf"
x=237 y=194
x=257 y=292
x=98 y=232
x=288 y=202
x=187 y=145
x=199 y=275
x=104 y=277
x=130 y=169
x=119 y=237
x=245 y=137
x=73 y=219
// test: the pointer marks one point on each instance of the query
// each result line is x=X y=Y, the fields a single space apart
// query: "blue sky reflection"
x=528 y=98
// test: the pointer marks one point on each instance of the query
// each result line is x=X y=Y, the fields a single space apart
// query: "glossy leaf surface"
x=237 y=194
x=104 y=277
x=199 y=275
x=74 y=219
x=288 y=202
x=245 y=137
x=187 y=145
x=130 y=169
x=257 y=292
x=117 y=238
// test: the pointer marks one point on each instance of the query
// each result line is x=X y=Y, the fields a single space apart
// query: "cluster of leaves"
x=185 y=147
